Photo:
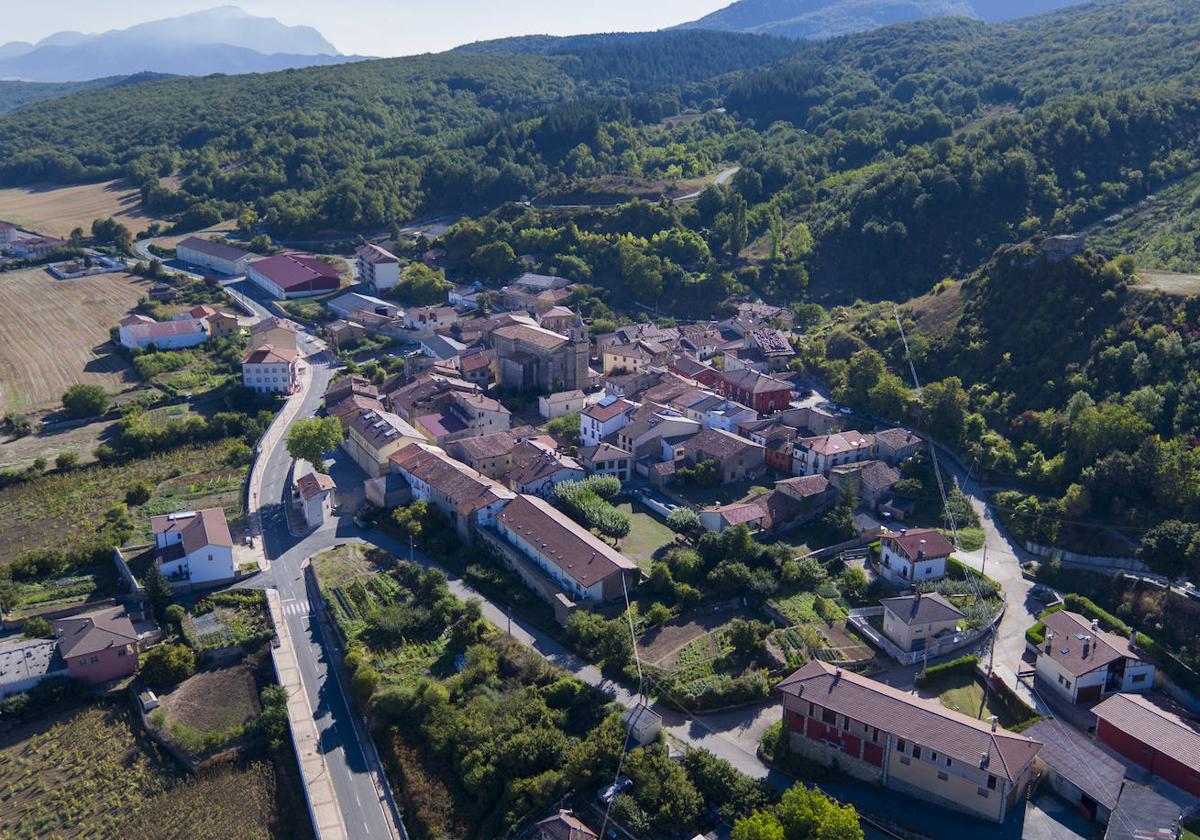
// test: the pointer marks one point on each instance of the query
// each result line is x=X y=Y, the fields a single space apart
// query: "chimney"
x=1095 y=625
x=1133 y=640
x=921 y=550
x=1087 y=641
x=994 y=723
x=1049 y=641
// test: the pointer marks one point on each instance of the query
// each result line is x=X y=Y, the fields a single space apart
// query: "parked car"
x=1192 y=592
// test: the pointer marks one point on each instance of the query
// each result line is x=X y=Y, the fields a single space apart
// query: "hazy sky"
x=374 y=27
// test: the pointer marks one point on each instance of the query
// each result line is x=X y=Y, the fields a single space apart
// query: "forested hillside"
x=360 y=146
x=899 y=156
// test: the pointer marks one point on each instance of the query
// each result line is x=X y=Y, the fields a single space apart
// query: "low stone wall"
x=1107 y=565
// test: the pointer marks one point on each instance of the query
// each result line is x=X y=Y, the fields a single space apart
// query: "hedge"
x=958 y=570
x=962 y=665
x=1036 y=634
x=1175 y=668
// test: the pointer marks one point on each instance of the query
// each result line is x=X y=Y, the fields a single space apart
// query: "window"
x=121 y=652
x=947 y=761
x=916 y=751
x=1137 y=678
x=829 y=716
x=991 y=782
x=900 y=745
x=845 y=724
x=875 y=735
x=942 y=776
x=812 y=709
x=932 y=756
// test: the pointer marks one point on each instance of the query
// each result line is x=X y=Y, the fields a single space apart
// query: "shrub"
x=85 y=401
x=66 y=461
x=37 y=627
x=174 y=614
x=138 y=493
x=960 y=666
x=683 y=520
x=168 y=664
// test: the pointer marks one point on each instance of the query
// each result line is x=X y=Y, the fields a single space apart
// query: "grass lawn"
x=963 y=693
x=342 y=564
x=647 y=535
x=970 y=539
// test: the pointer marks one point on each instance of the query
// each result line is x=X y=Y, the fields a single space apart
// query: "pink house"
x=98 y=646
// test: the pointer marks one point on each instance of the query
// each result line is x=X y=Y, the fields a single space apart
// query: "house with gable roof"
x=914 y=745
x=98 y=646
x=916 y=555
x=193 y=546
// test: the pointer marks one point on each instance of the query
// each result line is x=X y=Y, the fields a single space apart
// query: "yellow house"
x=917 y=746
x=634 y=357
x=914 y=622
x=274 y=331
x=372 y=437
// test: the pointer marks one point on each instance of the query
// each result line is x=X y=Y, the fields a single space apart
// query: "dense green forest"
x=898 y=157
x=14 y=95
x=1066 y=378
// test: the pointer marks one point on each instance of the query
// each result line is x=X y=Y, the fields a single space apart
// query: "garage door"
x=1087 y=694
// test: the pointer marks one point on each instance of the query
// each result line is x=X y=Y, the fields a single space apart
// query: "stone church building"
x=532 y=359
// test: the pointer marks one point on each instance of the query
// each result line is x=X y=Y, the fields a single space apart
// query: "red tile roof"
x=269 y=354
x=924 y=722
x=310 y=484
x=580 y=554
x=199 y=528
x=466 y=489
x=166 y=329
x=604 y=413
x=910 y=542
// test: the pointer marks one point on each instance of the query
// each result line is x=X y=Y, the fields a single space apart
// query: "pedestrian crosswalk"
x=296 y=608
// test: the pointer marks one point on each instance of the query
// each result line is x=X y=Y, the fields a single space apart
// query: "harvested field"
x=191 y=702
x=1170 y=282
x=18 y=453
x=54 y=210
x=55 y=333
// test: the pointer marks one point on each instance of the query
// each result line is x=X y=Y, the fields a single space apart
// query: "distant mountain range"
x=817 y=19
x=220 y=40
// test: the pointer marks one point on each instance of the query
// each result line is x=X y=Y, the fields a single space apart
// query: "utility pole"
x=983 y=570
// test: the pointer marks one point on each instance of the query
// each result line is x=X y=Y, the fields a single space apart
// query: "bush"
x=84 y=401
x=37 y=628
x=168 y=664
x=955 y=667
x=66 y=461
x=683 y=520
x=174 y=614
x=138 y=493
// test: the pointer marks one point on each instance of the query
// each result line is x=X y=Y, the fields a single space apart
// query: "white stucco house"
x=165 y=335
x=193 y=546
x=315 y=491
x=913 y=556
x=1082 y=663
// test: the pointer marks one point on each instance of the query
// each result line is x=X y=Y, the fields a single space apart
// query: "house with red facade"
x=917 y=746
x=1159 y=737
x=98 y=646
x=765 y=394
